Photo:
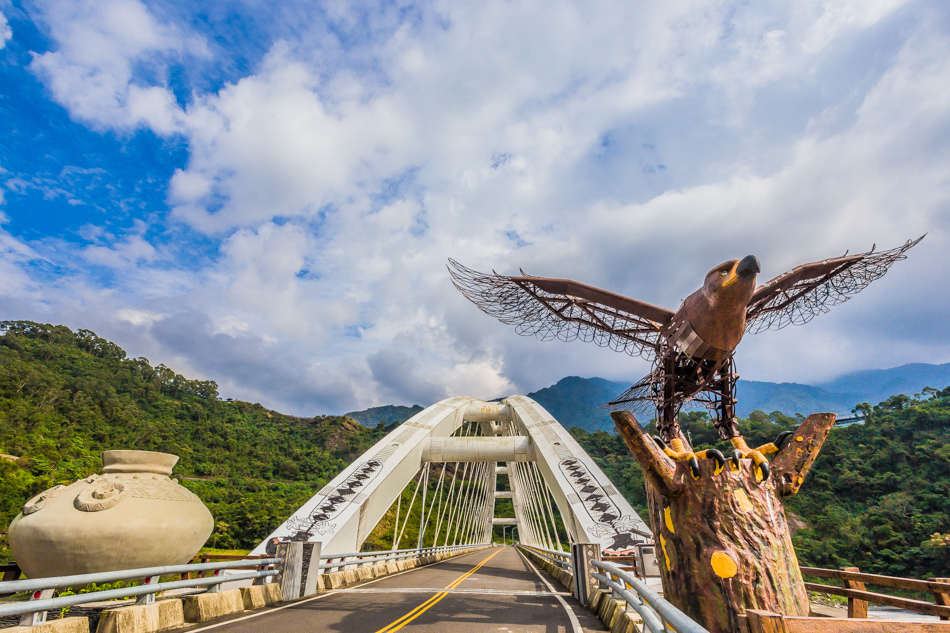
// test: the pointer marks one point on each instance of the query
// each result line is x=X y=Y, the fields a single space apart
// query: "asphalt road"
x=494 y=589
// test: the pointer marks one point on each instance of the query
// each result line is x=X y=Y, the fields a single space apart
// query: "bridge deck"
x=489 y=590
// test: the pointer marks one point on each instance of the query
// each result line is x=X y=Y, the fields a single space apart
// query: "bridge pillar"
x=290 y=554
x=582 y=555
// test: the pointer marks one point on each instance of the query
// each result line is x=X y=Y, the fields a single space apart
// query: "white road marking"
x=475 y=591
x=575 y=623
x=318 y=597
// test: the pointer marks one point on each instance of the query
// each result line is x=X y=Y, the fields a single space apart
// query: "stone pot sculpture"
x=131 y=515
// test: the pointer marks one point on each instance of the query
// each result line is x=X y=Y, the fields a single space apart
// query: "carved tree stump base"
x=723 y=542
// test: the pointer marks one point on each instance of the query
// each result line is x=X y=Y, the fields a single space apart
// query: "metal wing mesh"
x=796 y=297
x=548 y=316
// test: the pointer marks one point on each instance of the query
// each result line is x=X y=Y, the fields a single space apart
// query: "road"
x=494 y=589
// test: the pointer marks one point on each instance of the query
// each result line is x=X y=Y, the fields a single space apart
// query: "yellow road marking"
x=425 y=606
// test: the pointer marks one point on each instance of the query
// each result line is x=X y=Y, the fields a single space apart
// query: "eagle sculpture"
x=693 y=347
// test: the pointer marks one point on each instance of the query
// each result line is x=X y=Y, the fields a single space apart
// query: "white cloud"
x=102 y=47
x=6 y=33
x=630 y=146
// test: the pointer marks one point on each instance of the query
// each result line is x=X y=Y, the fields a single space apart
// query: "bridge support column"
x=291 y=568
x=311 y=568
x=581 y=556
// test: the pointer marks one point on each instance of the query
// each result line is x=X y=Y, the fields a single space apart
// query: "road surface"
x=495 y=589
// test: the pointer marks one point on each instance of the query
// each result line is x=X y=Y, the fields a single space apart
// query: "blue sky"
x=265 y=194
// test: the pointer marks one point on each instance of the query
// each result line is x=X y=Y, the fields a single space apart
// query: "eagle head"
x=729 y=286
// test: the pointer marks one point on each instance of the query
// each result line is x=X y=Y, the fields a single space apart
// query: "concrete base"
x=145 y=618
x=63 y=625
x=258 y=596
x=207 y=606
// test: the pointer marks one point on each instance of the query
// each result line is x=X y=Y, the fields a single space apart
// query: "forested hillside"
x=66 y=396
x=877 y=497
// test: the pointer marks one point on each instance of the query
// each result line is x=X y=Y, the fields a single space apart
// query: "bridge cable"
x=422 y=507
x=542 y=523
x=531 y=507
x=445 y=514
x=453 y=517
x=462 y=519
x=435 y=506
x=541 y=492
x=547 y=498
x=396 y=524
x=409 y=511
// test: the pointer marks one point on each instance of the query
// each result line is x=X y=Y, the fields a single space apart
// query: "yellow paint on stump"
x=743 y=500
x=665 y=555
x=799 y=439
x=668 y=517
x=724 y=565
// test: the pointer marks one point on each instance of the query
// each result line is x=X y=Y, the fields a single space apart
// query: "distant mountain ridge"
x=386 y=413
x=576 y=401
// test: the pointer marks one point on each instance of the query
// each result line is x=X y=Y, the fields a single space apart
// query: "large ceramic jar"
x=132 y=515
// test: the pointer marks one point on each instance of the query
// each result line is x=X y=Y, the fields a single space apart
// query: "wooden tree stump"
x=723 y=541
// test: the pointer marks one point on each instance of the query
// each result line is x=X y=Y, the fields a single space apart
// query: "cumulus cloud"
x=632 y=146
x=6 y=33
x=110 y=64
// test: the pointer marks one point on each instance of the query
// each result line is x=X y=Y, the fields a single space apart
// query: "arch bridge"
x=439 y=475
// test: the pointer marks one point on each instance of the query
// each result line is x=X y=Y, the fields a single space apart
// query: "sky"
x=265 y=194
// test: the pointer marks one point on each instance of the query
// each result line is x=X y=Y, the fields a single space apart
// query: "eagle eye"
x=723 y=273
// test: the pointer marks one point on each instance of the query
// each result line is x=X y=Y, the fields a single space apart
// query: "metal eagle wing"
x=798 y=296
x=565 y=310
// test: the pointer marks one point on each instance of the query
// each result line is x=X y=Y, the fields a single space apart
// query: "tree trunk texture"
x=723 y=541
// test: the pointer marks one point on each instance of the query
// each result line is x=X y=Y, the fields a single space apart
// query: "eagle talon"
x=693 y=466
x=659 y=442
x=734 y=460
x=781 y=438
x=764 y=468
x=717 y=457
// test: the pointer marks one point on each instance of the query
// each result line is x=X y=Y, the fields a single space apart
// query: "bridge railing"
x=657 y=613
x=561 y=559
x=33 y=611
x=855 y=591
x=370 y=558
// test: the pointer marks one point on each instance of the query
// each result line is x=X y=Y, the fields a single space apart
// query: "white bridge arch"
x=542 y=462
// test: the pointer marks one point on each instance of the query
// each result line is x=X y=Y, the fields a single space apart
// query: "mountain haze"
x=576 y=401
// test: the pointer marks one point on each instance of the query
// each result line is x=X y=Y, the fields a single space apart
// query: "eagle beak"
x=749 y=267
x=746 y=270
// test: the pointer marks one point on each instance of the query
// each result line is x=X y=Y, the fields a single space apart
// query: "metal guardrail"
x=371 y=558
x=657 y=613
x=564 y=560
x=33 y=611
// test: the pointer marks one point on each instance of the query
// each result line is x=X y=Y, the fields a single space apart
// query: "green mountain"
x=878 y=497
x=575 y=401
x=66 y=396
x=388 y=413
x=875 y=385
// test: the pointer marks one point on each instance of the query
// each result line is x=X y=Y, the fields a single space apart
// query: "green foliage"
x=386 y=414
x=66 y=396
x=877 y=497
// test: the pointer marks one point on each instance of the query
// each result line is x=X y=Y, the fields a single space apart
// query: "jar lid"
x=138 y=462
